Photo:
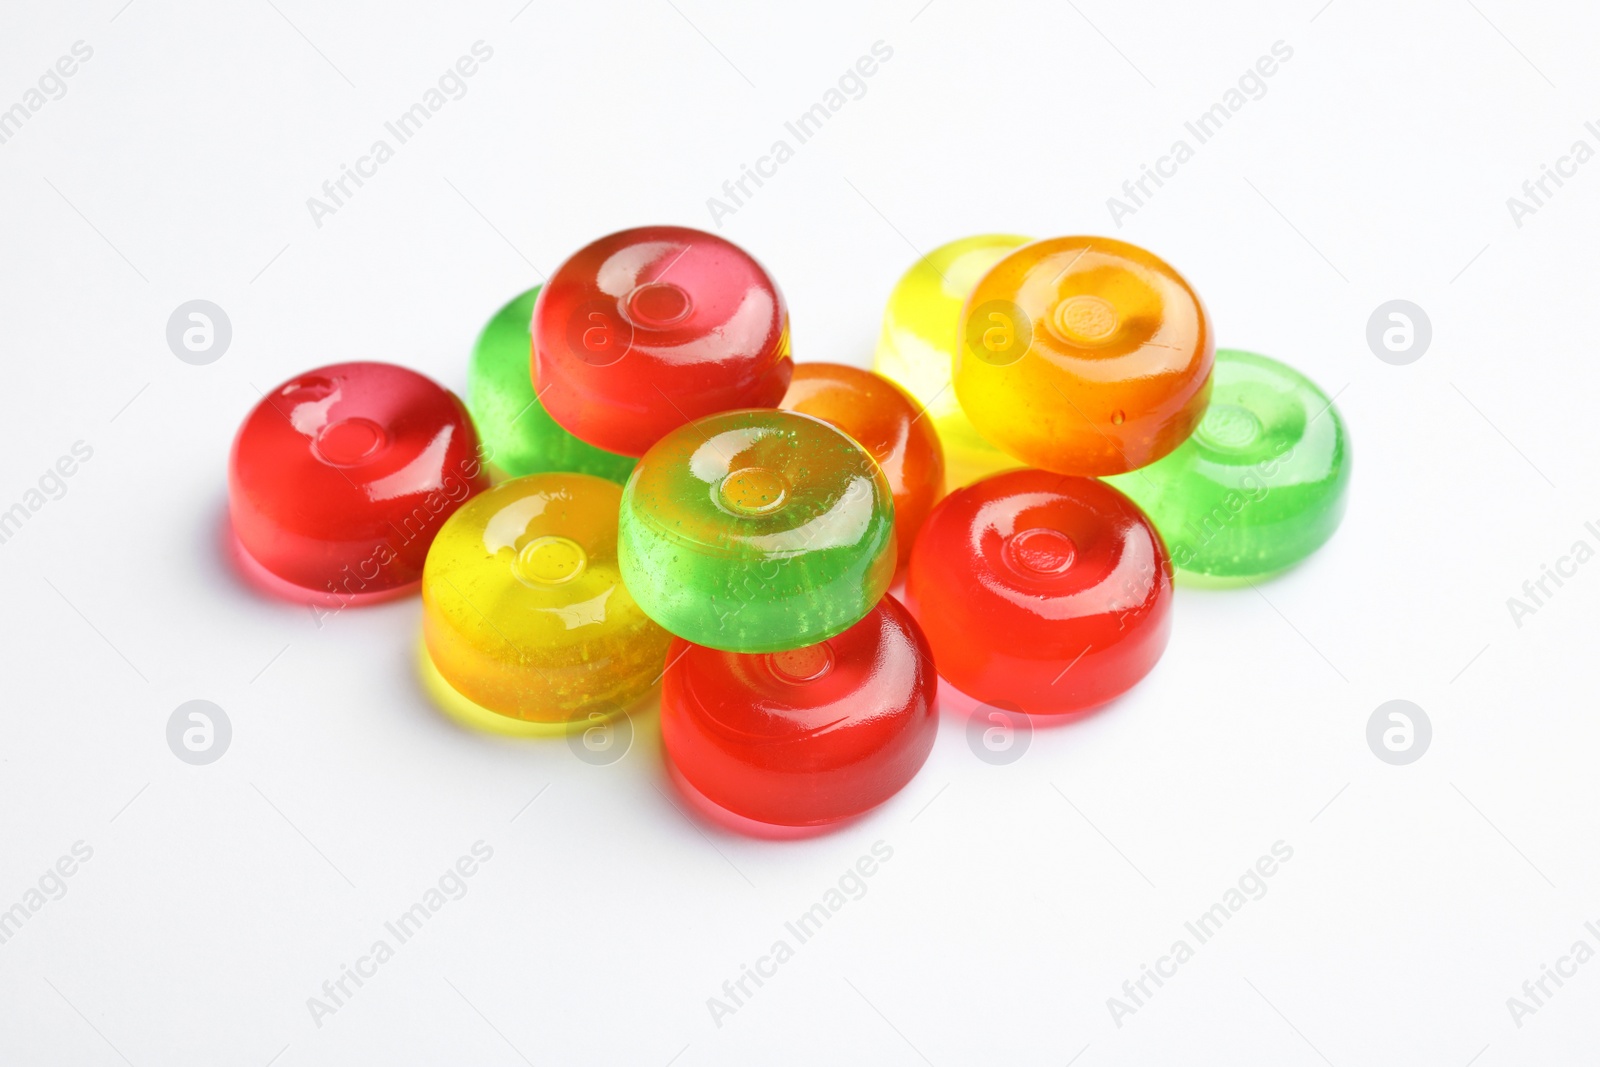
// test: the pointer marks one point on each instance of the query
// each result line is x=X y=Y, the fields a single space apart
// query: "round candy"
x=524 y=612
x=1084 y=355
x=647 y=329
x=921 y=327
x=806 y=737
x=1261 y=483
x=755 y=531
x=885 y=422
x=1041 y=593
x=341 y=477
x=519 y=436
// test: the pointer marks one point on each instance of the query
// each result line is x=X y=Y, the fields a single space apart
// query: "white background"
x=1019 y=898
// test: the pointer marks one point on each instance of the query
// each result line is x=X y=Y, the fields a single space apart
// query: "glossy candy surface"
x=885 y=422
x=1084 y=355
x=916 y=350
x=519 y=436
x=647 y=329
x=1042 y=593
x=341 y=477
x=804 y=737
x=756 y=531
x=1261 y=483
x=524 y=610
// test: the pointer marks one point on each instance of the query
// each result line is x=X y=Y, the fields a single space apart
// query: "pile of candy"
x=661 y=495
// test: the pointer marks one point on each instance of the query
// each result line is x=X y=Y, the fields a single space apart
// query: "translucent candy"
x=757 y=531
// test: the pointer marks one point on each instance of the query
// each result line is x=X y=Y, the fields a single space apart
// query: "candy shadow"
x=449 y=705
x=703 y=809
x=1206 y=583
x=967 y=708
x=248 y=573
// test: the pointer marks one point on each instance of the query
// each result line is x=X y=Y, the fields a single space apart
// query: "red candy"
x=1041 y=592
x=340 y=478
x=648 y=329
x=807 y=737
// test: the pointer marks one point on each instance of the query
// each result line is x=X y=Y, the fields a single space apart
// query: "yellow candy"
x=917 y=347
x=526 y=623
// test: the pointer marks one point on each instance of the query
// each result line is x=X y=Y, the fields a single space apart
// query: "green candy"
x=521 y=436
x=1260 y=485
x=757 y=531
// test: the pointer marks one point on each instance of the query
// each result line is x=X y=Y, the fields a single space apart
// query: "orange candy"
x=885 y=422
x=1084 y=355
